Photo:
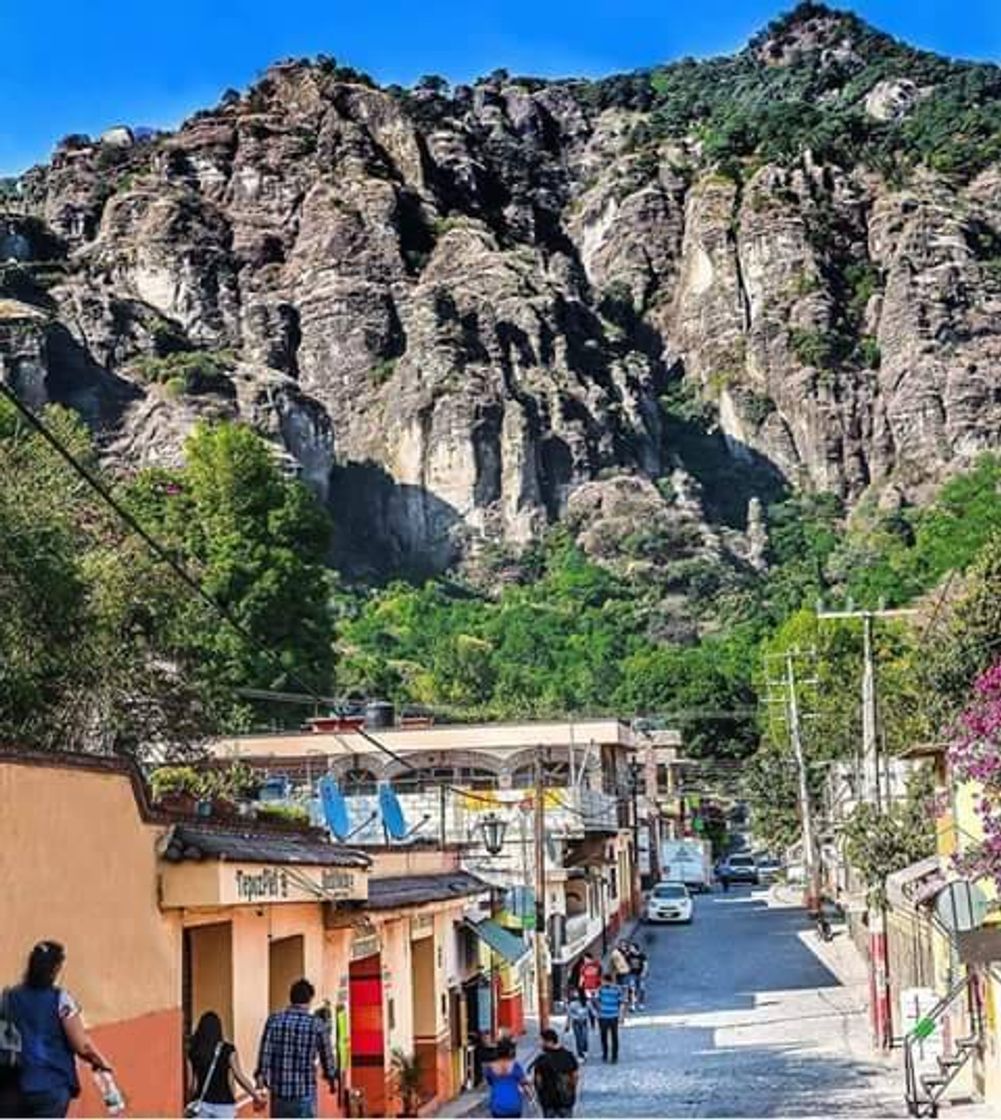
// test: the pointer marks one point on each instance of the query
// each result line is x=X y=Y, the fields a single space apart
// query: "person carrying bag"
x=194 y=1108
x=215 y=1065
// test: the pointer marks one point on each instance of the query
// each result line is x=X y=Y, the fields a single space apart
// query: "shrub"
x=176 y=779
x=382 y=371
x=758 y=407
x=191 y=371
x=286 y=814
x=869 y=351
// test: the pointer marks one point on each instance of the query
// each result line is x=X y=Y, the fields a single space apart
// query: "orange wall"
x=148 y=1062
x=78 y=866
x=85 y=874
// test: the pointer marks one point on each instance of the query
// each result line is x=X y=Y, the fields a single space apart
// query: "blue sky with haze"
x=80 y=67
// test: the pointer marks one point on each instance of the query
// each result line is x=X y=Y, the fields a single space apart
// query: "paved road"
x=743 y=1018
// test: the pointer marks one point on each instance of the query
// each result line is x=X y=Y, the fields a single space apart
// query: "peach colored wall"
x=79 y=865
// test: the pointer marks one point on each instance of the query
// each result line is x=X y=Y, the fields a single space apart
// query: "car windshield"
x=670 y=891
x=741 y=861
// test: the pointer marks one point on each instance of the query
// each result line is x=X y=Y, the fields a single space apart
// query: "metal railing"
x=925 y=1090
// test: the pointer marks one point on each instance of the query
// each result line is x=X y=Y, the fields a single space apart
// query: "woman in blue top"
x=52 y=1035
x=507 y=1082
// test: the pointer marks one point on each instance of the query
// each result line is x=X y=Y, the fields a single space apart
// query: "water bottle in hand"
x=114 y=1102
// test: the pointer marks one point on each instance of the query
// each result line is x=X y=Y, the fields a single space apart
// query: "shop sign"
x=421 y=925
x=220 y=883
x=364 y=945
x=268 y=885
x=279 y=884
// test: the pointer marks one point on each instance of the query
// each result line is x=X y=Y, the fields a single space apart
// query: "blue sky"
x=80 y=67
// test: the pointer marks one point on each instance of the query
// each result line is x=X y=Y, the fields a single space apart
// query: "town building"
x=165 y=916
x=449 y=780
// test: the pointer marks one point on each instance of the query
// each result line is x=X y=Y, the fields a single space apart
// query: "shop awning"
x=511 y=948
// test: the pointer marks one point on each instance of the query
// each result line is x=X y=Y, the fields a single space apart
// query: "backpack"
x=11 y=1044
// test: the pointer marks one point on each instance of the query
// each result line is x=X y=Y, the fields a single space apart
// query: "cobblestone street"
x=747 y=1015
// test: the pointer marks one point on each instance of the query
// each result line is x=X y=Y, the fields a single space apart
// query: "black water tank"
x=379 y=714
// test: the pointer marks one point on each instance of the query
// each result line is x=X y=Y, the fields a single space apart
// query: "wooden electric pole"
x=541 y=979
x=879 y=965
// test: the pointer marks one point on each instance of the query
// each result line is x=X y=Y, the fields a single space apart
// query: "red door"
x=368 y=1044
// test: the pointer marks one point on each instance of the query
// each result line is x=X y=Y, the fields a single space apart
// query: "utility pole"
x=811 y=851
x=541 y=980
x=879 y=966
x=789 y=684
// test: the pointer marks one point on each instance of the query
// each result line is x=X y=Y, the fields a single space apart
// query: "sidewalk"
x=473 y=1102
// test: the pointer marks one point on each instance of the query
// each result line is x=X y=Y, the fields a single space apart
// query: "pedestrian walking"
x=610 y=1008
x=554 y=1074
x=507 y=1082
x=215 y=1067
x=579 y=1021
x=590 y=982
x=638 y=967
x=52 y=1034
x=292 y=1043
x=723 y=872
x=619 y=963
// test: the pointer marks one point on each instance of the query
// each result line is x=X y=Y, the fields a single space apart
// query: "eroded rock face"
x=458 y=316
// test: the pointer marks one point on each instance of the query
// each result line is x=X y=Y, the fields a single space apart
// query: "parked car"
x=669 y=902
x=740 y=868
x=769 y=869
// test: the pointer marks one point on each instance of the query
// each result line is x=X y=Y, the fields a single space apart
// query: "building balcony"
x=579 y=931
x=570 y=813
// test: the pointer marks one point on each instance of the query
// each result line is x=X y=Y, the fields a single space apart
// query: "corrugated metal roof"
x=412 y=890
x=188 y=842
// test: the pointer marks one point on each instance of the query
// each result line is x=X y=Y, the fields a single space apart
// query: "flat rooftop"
x=444 y=737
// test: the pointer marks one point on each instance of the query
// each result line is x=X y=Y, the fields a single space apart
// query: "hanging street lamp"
x=494 y=829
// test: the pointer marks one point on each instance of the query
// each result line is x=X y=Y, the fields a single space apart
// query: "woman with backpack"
x=52 y=1035
x=216 y=1066
x=507 y=1081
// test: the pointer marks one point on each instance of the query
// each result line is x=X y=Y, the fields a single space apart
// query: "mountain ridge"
x=636 y=303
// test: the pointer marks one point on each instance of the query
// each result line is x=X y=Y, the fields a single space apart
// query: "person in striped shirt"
x=610 y=1008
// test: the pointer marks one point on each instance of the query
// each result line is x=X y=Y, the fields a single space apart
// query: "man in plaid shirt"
x=286 y=1066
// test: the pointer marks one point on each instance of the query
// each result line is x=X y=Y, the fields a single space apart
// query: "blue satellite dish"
x=392 y=812
x=335 y=808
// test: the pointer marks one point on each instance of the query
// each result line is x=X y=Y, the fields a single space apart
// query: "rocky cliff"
x=465 y=314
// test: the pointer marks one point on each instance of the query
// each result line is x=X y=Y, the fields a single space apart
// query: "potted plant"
x=407 y=1068
x=177 y=788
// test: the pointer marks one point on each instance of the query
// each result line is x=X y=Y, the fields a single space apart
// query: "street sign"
x=961 y=906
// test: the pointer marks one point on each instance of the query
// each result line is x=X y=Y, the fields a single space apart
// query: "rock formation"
x=462 y=313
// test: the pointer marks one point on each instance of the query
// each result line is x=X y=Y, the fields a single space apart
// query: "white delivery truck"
x=687 y=861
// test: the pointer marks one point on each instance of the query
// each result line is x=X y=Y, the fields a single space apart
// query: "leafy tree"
x=257 y=543
x=880 y=842
x=86 y=660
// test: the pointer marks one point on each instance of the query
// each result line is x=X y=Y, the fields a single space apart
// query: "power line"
x=162 y=553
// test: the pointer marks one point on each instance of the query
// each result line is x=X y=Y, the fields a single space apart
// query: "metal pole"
x=809 y=838
x=540 y=893
x=870 y=746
